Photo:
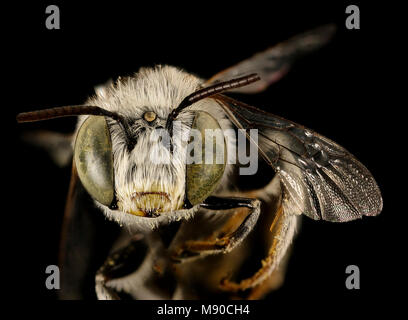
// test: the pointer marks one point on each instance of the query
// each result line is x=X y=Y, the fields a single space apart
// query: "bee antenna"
x=208 y=92
x=77 y=110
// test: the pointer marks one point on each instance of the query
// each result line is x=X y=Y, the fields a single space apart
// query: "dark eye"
x=94 y=160
x=203 y=178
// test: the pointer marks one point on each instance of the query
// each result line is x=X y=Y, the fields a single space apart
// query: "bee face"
x=148 y=180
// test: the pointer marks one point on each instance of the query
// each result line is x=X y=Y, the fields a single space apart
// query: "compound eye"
x=93 y=159
x=203 y=177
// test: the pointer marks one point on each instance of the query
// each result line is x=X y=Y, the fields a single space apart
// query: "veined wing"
x=321 y=179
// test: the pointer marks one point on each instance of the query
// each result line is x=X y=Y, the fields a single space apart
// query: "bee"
x=186 y=230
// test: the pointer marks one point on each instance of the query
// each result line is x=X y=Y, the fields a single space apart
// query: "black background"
x=336 y=92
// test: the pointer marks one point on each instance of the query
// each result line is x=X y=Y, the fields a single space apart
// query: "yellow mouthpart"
x=148 y=204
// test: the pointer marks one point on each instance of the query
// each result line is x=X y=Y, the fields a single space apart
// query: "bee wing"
x=57 y=145
x=85 y=242
x=273 y=63
x=321 y=179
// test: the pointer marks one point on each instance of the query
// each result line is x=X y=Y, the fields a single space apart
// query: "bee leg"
x=283 y=229
x=118 y=264
x=272 y=282
x=195 y=248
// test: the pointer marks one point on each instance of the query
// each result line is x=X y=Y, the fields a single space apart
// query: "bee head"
x=143 y=150
x=152 y=173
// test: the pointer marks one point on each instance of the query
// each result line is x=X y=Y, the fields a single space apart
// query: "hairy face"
x=149 y=181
